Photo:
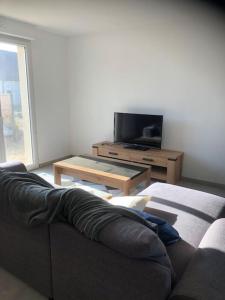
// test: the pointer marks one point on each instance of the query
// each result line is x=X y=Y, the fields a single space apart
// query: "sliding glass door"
x=16 y=130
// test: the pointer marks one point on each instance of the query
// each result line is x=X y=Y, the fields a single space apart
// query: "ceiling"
x=71 y=17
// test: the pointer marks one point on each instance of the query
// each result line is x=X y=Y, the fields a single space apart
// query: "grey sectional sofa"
x=62 y=264
x=25 y=252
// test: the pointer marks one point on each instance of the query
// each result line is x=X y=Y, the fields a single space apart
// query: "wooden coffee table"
x=109 y=172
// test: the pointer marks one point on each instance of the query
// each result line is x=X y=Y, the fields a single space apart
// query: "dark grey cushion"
x=180 y=254
x=14 y=166
x=204 y=277
x=134 y=240
x=88 y=270
x=25 y=252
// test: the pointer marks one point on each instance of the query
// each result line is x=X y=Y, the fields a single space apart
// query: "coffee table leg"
x=126 y=189
x=57 y=175
x=148 y=179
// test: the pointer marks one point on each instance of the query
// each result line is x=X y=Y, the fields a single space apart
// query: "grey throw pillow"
x=135 y=241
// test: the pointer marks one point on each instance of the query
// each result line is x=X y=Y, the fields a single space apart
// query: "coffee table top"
x=107 y=166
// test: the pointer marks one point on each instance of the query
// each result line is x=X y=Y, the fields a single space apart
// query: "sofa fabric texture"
x=135 y=241
x=87 y=270
x=204 y=278
x=190 y=212
x=32 y=201
x=25 y=252
x=182 y=206
x=13 y=166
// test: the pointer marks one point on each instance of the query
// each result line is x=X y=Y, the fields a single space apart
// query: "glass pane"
x=14 y=104
x=106 y=166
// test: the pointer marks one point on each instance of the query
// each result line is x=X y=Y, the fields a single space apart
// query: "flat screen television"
x=138 y=129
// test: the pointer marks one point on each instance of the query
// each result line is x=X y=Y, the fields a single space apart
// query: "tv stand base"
x=166 y=164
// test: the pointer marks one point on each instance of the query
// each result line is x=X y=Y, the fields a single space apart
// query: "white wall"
x=175 y=68
x=49 y=68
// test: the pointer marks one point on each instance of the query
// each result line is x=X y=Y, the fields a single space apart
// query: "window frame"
x=33 y=128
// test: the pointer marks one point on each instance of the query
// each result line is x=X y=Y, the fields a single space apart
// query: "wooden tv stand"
x=166 y=164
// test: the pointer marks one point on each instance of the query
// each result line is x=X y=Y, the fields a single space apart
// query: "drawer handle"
x=113 y=153
x=147 y=159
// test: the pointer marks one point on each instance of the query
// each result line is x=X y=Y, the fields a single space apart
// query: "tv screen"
x=138 y=129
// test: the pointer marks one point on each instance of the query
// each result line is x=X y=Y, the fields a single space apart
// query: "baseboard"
x=204 y=182
x=45 y=164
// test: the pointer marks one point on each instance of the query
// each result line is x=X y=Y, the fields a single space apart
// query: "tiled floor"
x=204 y=187
x=13 y=289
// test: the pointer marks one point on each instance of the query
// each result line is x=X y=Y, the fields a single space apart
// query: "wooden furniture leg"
x=57 y=175
x=126 y=189
x=148 y=179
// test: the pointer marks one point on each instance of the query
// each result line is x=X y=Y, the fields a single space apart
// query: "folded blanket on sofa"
x=32 y=201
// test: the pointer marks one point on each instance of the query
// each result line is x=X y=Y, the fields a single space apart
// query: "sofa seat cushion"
x=205 y=275
x=191 y=212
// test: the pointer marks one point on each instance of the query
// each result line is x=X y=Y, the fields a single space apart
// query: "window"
x=16 y=124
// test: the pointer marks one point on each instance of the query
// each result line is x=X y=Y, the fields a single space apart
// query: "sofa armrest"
x=205 y=275
x=14 y=166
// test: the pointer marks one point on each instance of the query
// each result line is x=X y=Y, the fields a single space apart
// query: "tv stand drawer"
x=112 y=153
x=151 y=160
x=132 y=156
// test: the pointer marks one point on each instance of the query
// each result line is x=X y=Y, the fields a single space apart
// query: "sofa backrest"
x=14 y=166
x=25 y=252
x=87 y=270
